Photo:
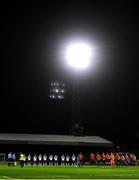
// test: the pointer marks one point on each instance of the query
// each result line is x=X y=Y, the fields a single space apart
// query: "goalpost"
x=2 y=158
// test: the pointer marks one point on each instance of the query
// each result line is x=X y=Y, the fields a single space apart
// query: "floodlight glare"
x=79 y=55
x=56 y=90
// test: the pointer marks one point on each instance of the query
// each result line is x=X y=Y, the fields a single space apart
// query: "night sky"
x=32 y=34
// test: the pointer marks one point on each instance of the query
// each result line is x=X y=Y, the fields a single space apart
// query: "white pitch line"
x=7 y=177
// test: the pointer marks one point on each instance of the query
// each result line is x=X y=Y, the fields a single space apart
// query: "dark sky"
x=31 y=36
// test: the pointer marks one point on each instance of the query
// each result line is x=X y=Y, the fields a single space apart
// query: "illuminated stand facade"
x=57 y=90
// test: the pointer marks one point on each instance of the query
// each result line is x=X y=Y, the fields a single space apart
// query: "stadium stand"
x=38 y=139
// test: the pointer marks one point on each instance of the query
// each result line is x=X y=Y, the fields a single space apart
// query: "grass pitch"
x=87 y=172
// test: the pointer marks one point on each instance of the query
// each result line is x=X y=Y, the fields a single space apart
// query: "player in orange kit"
x=92 y=158
x=98 y=159
x=112 y=161
x=103 y=157
x=118 y=158
x=108 y=158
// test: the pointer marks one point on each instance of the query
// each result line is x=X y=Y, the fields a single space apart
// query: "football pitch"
x=58 y=172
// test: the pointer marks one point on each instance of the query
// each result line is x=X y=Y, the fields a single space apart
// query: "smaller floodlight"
x=60 y=97
x=56 y=90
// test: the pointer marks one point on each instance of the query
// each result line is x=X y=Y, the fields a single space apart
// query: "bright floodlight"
x=79 y=55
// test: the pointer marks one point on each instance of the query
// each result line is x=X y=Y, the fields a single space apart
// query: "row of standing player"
x=47 y=160
x=55 y=159
x=113 y=159
x=95 y=159
x=98 y=159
